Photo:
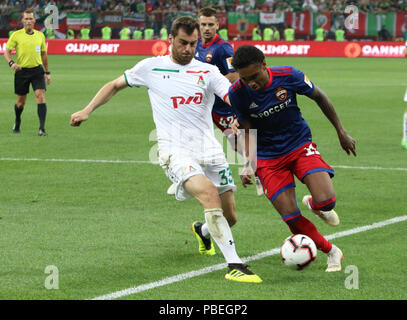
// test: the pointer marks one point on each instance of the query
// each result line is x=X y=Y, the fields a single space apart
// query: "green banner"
x=80 y=18
x=375 y=22
x=242 y=24
x=235 y=17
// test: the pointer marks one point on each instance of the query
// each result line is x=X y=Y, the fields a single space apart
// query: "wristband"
x=47 y=72
x=11 y=62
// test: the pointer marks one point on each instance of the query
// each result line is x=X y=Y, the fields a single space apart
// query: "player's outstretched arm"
x=346 y=141
x=103 y=96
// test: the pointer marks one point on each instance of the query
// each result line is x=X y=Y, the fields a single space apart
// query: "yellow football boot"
x=205 y=244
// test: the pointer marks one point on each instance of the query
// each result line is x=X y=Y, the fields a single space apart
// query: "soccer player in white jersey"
x=181 y=91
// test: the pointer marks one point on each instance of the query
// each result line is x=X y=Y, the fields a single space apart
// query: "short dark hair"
x=246 y=55
x=208 y=12
x=186 y=23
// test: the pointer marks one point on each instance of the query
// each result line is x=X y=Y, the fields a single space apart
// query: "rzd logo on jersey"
x=176 y=101
x=281 y=94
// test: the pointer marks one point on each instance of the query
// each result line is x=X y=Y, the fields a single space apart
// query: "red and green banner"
x=108 y=18
x=14 y=20
x=369 y=24
x=223 y=20
x=401 y=23
x=239 y=23
x=77 y=21
x=321 y=19
x=301 y=22
x=361 y=27
x=134 y=20
x=242 y=24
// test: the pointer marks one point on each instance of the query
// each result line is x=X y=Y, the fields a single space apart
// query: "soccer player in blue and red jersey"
x=213 y=49
x=265 y=98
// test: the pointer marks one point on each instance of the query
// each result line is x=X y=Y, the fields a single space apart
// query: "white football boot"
x=171 y=190
x=335 y=257
x=330 y=217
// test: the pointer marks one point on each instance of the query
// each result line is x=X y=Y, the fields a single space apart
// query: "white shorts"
x=180 y=168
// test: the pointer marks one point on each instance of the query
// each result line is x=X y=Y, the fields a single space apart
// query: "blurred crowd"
x=150 y=6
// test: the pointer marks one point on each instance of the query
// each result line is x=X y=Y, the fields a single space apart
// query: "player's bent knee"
x=329 y=206
x=325 y=205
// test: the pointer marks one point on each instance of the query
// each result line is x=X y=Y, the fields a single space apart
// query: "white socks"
x=405 y=126
x=219 y=229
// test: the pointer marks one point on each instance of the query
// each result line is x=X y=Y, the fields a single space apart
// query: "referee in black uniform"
x=31 y=67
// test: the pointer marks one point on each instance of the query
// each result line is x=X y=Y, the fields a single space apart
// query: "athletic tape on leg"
x=221 y=233
x=213 y=218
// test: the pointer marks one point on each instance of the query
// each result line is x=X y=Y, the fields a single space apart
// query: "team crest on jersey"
x=209 y=57
x=281 y=93
x=201 y=81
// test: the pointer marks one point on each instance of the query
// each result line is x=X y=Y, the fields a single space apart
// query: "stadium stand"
x=139 y=14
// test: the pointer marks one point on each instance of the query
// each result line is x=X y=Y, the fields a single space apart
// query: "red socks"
x=299 y=224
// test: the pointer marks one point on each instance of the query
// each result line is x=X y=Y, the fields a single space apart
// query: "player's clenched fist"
x=78 y=117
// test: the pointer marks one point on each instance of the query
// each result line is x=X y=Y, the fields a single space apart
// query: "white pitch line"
x=79 y=160
x=369 y=168
x=196 y=273
x=155 y=163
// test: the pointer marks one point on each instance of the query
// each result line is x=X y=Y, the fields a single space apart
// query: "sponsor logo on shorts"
x=311 y=150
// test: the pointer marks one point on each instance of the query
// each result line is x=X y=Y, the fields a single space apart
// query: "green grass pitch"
x=110 y=226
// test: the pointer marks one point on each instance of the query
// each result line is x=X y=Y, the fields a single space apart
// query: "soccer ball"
x=298 y=251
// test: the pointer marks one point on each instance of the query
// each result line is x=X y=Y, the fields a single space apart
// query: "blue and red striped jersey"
x=218 y=52
x=274 y=111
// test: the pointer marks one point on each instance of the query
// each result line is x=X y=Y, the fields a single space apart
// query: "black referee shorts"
x=25 y=76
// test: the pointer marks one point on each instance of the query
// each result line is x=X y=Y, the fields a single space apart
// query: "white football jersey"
x=182 y=97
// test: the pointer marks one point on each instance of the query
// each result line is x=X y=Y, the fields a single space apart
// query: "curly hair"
x=246 y=55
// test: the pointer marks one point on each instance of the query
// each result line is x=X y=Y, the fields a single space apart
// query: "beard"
x=181 y=58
